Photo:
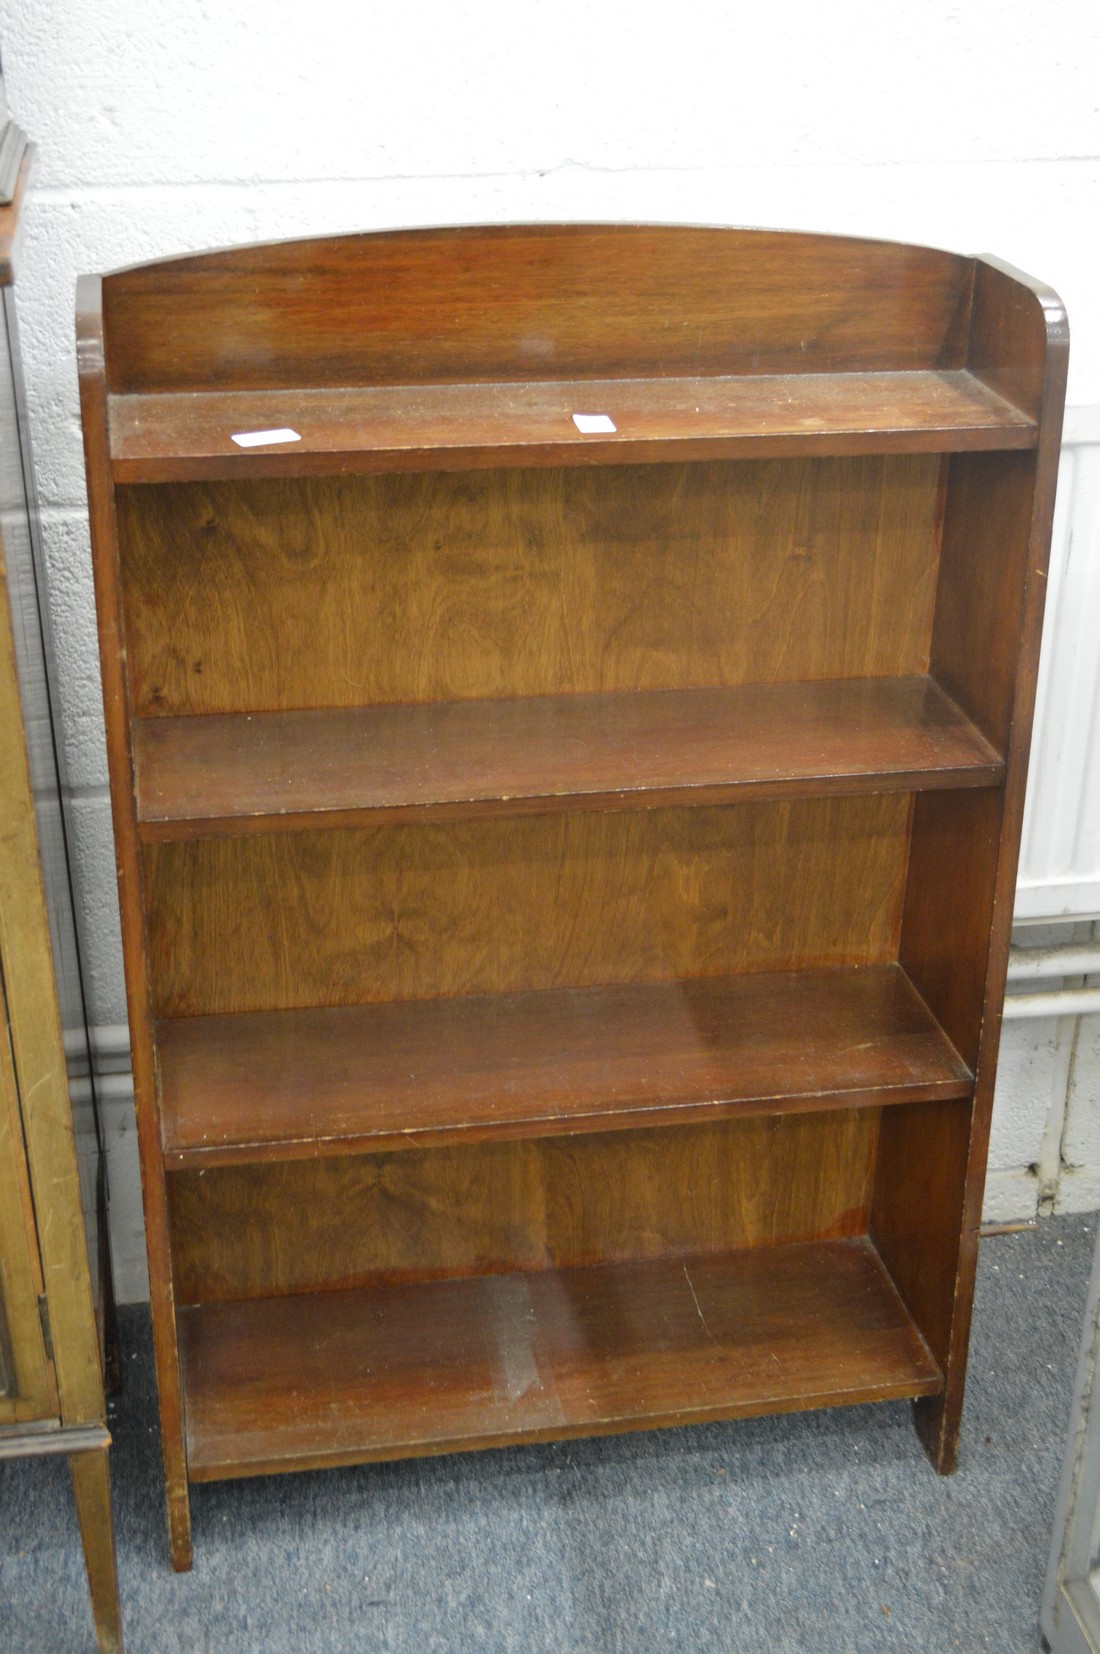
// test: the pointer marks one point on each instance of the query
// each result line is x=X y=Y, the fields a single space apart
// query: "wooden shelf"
x=277 y=1085
x=345 y=1377
x=187 y=435
x=240 y=772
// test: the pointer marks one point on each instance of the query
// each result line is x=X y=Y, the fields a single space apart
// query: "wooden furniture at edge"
x=566 y=877
x=51 y=1357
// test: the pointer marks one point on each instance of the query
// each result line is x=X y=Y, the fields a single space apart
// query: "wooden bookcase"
x=566 y=876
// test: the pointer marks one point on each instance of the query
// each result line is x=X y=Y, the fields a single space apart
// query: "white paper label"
x=590 y=424
x=259 y=439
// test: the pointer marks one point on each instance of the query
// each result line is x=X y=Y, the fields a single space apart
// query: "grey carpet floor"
x=820 y=1532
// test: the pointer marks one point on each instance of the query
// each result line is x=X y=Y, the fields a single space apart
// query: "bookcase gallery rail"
x=568 y=698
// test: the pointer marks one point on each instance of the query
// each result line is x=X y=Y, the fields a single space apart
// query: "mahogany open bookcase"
x=566 y=865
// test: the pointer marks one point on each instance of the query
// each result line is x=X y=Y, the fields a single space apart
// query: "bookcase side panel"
x=961 y=885
x=117 y=710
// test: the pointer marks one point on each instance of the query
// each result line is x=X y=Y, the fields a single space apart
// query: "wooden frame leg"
x=92 y=1492
x=937 y=1419
x=921 y=1224
x=179 y=1515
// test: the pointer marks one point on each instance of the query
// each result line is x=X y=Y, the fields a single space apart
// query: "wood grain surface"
x=118 y=714
x=552 y=1202
x=36 y=1114
x=28 y=1389
x=1021 y=337
x=292 y=1084
x=920 y=1180
x=346 y=591
x=561 y=301
x=352 y=916
x=255 y=772
x=345 y=1306
x=279 y=1384
x=189 y=435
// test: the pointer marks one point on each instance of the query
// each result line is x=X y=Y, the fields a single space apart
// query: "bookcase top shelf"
x=189 y=435
x=475 y=346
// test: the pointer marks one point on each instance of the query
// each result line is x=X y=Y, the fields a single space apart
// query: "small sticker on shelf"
x=590 y=424
x=259 y=439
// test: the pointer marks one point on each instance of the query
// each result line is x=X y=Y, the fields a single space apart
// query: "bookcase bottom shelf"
x=404 y=1370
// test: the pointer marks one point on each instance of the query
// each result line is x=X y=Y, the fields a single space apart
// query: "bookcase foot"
x=179 y=1528
x=937 y=1421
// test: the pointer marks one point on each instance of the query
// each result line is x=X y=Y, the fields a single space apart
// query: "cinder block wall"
x=1044 y=1153
x=183 y=124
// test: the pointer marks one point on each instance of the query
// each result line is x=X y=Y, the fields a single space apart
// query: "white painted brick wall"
x=1079 y=1185
x=1044 y=1150
x=183 y=124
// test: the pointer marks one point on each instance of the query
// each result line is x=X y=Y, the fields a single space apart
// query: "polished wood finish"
x=339 y=1378
x=920 y=1176
x=255 y=772
x=284 y=920
x=563 y=894
x=536 y=303
x=957 y=925
x=116 y=705
x=282 y=1085
x=539 y=1202
x=350 y=591
x=189 y=436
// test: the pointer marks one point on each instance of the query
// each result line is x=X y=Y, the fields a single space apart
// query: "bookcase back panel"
x=552 y=301
x=343 y=591
x=252 y=1231
x=400 y=912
